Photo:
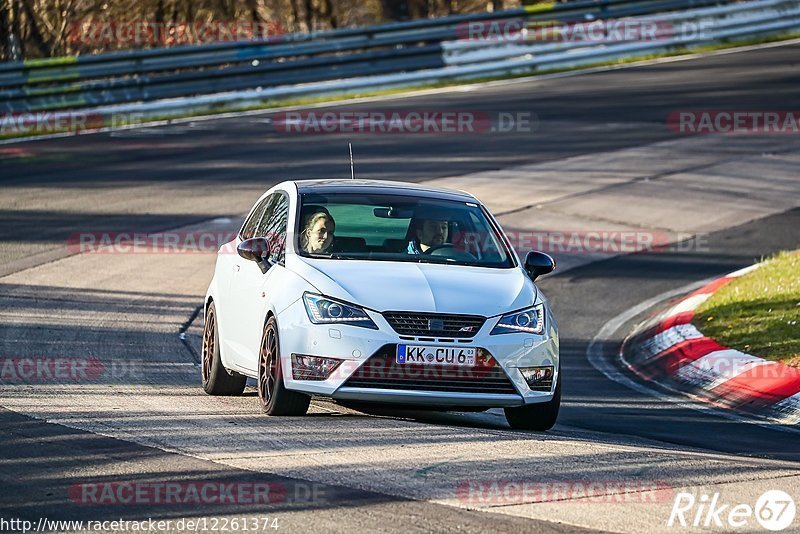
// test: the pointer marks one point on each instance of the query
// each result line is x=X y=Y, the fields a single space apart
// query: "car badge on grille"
x=435 y=325
x=467 y=329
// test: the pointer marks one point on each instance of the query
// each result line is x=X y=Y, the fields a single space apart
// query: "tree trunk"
x=5 y=32
x=159 y=15
x=419 y=9
x=395 y=9
x=330 y=14
x=36 y=35
x=295 y=26
x=62 y=45
x=252 y=6
x=308 y=6
x=16 y=32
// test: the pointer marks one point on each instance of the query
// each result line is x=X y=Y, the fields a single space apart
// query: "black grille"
x=383 y=372
x=434 y=324
x=543 y=385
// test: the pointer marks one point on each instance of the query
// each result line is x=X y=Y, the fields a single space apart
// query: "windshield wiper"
x=422 y=259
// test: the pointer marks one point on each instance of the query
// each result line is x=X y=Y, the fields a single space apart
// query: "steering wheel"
x=448 y=251
x=434 y=248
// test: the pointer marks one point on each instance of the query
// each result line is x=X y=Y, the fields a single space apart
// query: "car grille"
x=381 y=371
x=433 y=324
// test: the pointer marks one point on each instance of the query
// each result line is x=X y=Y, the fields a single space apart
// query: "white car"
x=395 y=294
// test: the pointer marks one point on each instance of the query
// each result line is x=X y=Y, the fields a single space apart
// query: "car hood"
x=422 y=287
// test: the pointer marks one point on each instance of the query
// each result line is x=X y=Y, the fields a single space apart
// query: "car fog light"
x=538 y=378
x=313 y=367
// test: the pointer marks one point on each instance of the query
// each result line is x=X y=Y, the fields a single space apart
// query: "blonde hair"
x=311 y=220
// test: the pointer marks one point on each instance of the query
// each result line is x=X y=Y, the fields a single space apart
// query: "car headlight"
x=529 y=321
x=322 y=310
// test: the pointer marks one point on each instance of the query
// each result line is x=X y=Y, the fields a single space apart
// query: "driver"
x=427 y=233
x=317 y=235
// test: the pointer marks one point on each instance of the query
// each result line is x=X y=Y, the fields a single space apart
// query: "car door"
x=228 y=265
x=248 y=285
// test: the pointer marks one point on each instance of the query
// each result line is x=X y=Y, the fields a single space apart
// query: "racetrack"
x=601 y=157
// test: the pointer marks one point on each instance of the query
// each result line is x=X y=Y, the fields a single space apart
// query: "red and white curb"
x=669 y=349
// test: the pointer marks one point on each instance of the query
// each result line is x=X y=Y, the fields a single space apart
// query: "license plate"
x=427 y=355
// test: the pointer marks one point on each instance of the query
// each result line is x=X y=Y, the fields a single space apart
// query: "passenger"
x=425 y=234
x=317 y=235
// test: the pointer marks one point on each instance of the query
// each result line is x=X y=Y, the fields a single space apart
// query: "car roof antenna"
x=352 y=169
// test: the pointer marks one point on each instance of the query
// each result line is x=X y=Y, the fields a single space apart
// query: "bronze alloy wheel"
x=215 y=378
x=268 y=370
x=275 y=399
x=209 y=345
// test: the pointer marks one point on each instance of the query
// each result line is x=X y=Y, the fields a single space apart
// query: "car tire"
x=215 y=378
x=275 y=399
x=541 y=416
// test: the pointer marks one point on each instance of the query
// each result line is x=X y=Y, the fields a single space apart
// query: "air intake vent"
x=382 y=371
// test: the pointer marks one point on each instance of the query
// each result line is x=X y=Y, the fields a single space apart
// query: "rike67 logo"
x=774 y=510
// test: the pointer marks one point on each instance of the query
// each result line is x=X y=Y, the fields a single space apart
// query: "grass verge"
x=758 y=313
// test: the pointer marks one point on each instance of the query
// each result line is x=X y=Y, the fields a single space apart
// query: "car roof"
x=380 y=187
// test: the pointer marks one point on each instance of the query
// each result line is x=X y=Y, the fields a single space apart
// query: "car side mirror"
x=538 y=263
x=256 y=249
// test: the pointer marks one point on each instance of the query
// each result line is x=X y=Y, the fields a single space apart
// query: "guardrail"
x=158 y=81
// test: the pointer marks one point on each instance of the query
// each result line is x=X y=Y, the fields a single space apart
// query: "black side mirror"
x=538 y=263
x=256 y=249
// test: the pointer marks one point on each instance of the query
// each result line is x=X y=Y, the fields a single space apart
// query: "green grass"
x=758 y=313
x=269 y=104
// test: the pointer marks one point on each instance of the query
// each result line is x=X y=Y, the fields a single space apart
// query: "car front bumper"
x=356 y=345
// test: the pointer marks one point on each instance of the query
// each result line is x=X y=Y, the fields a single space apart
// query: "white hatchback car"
x=381 y=292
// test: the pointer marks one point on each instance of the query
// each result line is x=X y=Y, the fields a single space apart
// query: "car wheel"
x=274 y=397
x=216 y=379
x=541 y=416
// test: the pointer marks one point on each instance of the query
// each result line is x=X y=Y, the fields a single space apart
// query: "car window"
x=273 y=226
x=386 y=228
x=359 y=220
x=249 y=227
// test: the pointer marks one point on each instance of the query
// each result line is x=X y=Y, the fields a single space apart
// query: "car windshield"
x=401 y=228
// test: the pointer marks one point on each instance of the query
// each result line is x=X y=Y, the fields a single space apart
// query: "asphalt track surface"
x=168 y=177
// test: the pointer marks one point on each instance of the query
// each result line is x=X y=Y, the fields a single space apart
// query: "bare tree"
x=45 y=28
x=34 y=32
x=327 y=14
x=5 y=31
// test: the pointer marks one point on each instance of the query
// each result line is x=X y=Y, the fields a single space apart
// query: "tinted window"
x=273 y=226
x=249 y=226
